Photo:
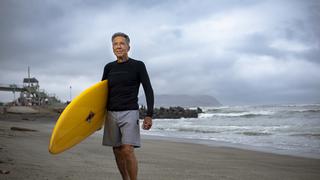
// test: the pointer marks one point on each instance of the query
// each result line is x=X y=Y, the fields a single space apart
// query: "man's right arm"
x=105 y=72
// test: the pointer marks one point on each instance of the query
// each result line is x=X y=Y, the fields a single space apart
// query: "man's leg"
x=131 y=161
x=121 y=162
x=126 y=161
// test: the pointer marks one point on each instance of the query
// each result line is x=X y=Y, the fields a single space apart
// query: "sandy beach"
x=24 y=155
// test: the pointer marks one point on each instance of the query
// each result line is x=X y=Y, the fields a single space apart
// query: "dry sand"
x=24 y=155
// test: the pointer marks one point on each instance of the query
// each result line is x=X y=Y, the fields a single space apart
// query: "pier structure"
x=30 y=93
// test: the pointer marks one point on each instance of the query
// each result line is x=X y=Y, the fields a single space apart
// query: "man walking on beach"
x=122 y=130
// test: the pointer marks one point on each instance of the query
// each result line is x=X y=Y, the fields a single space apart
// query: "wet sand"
x=24 y=155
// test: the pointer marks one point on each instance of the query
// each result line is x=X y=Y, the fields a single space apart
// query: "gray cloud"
x=250 y=52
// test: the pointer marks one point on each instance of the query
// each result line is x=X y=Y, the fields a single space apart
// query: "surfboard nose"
x=53 y=149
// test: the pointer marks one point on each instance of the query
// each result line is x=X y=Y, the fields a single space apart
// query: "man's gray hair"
x=122 y=35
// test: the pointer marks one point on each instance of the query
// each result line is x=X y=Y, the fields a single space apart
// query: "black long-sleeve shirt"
x=124 y=81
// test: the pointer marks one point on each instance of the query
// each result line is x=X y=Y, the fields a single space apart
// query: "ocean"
x=283 y=129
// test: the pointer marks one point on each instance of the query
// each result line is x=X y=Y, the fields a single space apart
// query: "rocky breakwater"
x=172 y=112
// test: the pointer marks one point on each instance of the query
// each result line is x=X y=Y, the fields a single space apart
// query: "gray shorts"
x=122 y=127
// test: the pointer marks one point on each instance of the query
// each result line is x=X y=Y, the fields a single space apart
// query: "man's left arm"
x=148 y=91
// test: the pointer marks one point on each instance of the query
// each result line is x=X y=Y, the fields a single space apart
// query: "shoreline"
x=24 y=155
x=214 y=143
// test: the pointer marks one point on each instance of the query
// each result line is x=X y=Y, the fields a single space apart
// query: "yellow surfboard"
x=81 y=118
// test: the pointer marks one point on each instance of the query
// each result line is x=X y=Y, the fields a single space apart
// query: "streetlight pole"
x=70 y=94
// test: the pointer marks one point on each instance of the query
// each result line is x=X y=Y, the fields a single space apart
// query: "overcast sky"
x=241 y=52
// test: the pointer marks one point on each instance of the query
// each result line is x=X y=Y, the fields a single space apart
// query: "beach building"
x=30 y=93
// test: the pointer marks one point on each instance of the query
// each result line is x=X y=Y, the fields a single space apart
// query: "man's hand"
x=147 y=123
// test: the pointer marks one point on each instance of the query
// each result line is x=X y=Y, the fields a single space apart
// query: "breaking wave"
x=308 y=135
x=237 y=114
x=249 y=133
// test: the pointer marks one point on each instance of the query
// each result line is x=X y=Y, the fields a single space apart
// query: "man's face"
x=120 y=47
